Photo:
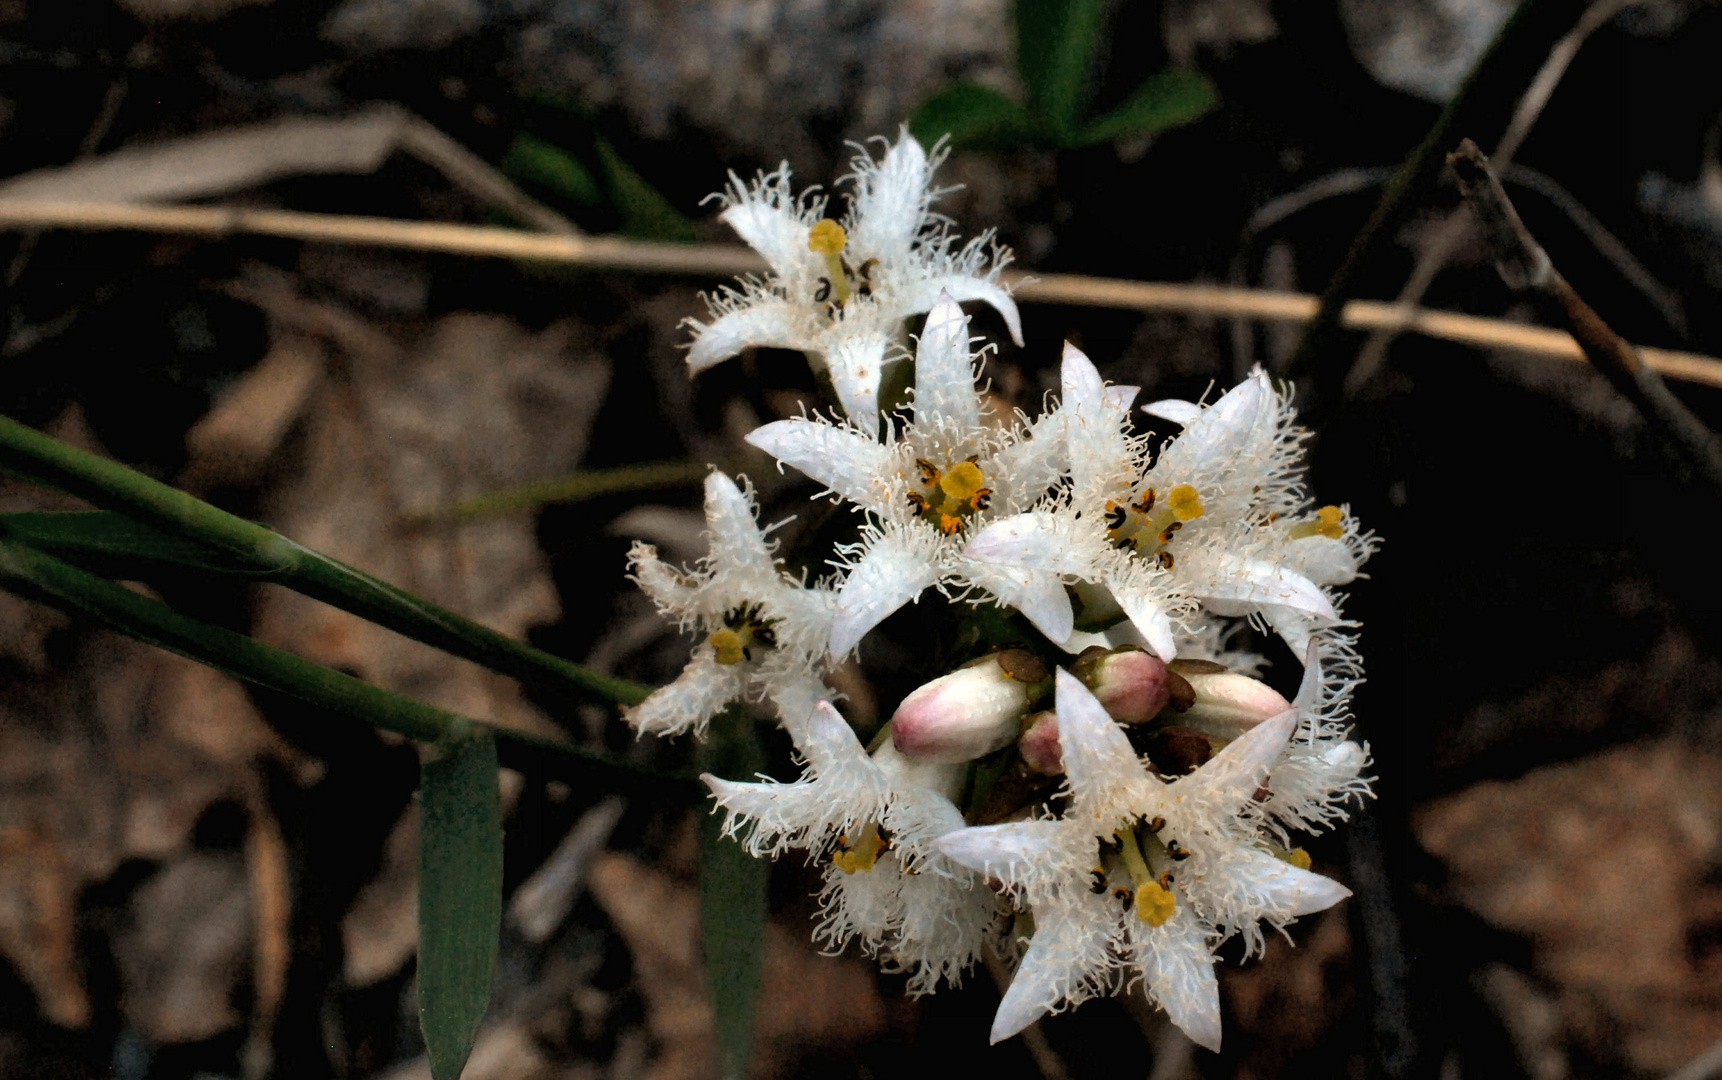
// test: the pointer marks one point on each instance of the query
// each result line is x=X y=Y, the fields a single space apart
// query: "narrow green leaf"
x=732 y=901
x=532 y=160
x=108 y=539
x=975 y=117
x=460 y=897
x=1054 y=45
x=586 y=484
x=1166 y=99
x=645 y=212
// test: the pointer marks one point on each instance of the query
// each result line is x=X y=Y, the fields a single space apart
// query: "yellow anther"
x=1154 y=903
x=1330 y=522
x=1298 y=857
x=862 y=854
x=963 y=481
x=728 y=646
x=1185 y=502
x=826 y=237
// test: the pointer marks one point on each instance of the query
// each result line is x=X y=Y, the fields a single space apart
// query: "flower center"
x=745 y=632
x=864 y=852
x=1146 y=527
x=828 y=238
x=950 y=496
x=1148 y=895
x=1329 y=521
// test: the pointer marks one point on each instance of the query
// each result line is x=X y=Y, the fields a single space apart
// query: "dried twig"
x=1453 y=231
x=1525 y=267
x=722 y=260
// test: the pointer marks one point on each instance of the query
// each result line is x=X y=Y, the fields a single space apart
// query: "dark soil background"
x=200 y=879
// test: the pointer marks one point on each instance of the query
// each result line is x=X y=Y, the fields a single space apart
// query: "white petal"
x=768 y=321
x=769 y=219
x=1222 y=432
x=1028 y=855
x=944 y=378
x=1120 y=397
x=668 y=587
x=1098 y=759
x=1028 y=467
x=1032 y=541
x=698 y=693
x=1150 y=620
x=891 y=197
x=855 y=364
x=793 y=697
x=1234 y=774
x=1096 y=443
x=1309 y=689
x=921 y=293
x=730 y=524
x=1179 y=412
x=895 y=570
x=845 y=461
x=1225 y=576
x=1066 y=963
x=1038 y=594
x=1296 y=628
x=1179 y=969
x=1323 y=560
x=1281 y=891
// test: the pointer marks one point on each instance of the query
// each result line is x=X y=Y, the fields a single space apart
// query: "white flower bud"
x=1227 y=705
x=1039 y=744
x=970 y=712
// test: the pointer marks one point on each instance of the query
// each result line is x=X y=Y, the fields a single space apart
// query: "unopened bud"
x=1130 y=683
x=1039 y=743
x=970 y=712
x=1227 y=704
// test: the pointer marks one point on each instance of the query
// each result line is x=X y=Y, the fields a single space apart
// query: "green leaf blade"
x=732 y=903
x=645 y=212
x=107 y=538
x=1055 y=43
x=975 y=117
x=460 y=897
x=1166 y=99
x=546 y=165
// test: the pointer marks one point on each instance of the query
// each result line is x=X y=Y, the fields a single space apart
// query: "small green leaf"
x=975 y=117
x=534 y=161
x=1054 y=45
x=732 y=901
x=645 y=212
x=113 y=541
x=460 y=897
x=1166 y=99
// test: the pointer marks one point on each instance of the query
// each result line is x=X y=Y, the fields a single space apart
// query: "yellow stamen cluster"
x=1151 y=897
x=745 y=631
x=861 y=855
x=949 y=497
x=1148 y=525
x=1329 y=522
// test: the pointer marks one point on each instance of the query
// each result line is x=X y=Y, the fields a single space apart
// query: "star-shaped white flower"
x=946 y=474
x=1199 y=527
x=872 y=820
x=765 y=632
x=840 y=291
x=1139 y=875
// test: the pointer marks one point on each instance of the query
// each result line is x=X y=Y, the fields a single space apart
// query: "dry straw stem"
x=1526 y=267
x=723 y=260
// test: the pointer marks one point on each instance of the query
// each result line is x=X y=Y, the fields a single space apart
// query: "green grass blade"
x=732 y=902
x=645 y=212
x=975 y=117
x=460 y=896
x=1055 y=44
x=533 y=161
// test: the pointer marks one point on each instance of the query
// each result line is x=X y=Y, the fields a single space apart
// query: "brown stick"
x=1526 y=267
x=721 y=260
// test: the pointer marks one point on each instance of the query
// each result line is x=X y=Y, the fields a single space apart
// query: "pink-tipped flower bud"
x=970 y=712
x=1039 y=743
x=1227 y=704
x=1129 y=682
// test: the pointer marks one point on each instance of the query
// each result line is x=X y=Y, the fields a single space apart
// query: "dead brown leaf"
x=1607 y=864
x=805 y=999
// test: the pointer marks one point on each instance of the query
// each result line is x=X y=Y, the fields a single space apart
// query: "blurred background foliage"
x=199 y=878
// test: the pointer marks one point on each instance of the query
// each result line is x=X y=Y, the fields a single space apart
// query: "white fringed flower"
x=765 y=632
x=946 y=474
x=1220 y=520
x=1139 y=876
x=872 y=820
x=839 y=291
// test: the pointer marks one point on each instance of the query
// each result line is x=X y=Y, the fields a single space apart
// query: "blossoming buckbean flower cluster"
x=1095 y=785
